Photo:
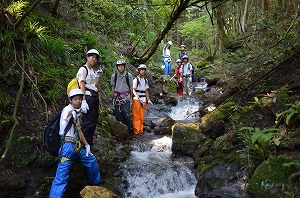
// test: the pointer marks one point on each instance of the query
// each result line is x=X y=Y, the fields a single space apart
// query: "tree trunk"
x=223 y=37
x=55 y=7
x=174 y=16
x=265 y=5
x=243 y=21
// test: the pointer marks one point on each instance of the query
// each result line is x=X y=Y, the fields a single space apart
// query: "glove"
x=88 y=150
x=84 y=107
x=149 y=102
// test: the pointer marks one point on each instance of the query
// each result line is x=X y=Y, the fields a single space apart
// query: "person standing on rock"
x=167 y=58
x=88 y=79
x=186 y=73
x=182 y=52
x=121 y=83
x=71 y=147
x=179 y=78
x=140 y=99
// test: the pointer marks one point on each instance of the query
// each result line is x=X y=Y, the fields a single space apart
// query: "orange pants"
x=138 y=112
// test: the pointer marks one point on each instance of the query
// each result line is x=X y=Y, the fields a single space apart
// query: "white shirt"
x=64 y=120
x=90 y=79
x=166 y=53
x=142 y=87
x=186 y=69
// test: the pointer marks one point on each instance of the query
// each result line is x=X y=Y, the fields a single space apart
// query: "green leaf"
x=290 y=115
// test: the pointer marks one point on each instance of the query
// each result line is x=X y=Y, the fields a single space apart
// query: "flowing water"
x=151 y=171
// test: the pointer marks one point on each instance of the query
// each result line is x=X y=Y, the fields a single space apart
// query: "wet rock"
x=163 y=131
x=162 y=122
x=222 y=180
x=213 y=129
x=118 y=130
x=170 y=100
x=186 y=139
x=96 y=192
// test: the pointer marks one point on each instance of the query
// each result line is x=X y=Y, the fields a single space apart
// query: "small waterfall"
x=150 y=172
x=186 y=109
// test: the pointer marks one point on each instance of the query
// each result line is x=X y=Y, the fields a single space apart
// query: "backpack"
x=74 y=82
x=52 y=140
x=126 y=77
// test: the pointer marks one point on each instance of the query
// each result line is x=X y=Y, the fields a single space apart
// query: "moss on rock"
x=270 y=177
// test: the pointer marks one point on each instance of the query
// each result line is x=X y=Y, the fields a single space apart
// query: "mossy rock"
x=271 y=177
x=96 y=192
x=220 y=113
x=186 y=139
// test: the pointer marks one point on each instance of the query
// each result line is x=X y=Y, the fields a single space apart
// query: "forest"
x=247 y=50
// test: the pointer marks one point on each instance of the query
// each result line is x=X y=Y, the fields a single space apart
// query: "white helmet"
x=178 y=60
x=170 y=42
x=185 y=57
x=182 y=46
x=142 y=66
x=121 y=62
x=93 y=51
x=75 y=92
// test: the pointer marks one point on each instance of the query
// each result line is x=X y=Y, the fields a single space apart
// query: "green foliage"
x=16 y=8
x=269 y=175
x=288 y=114
x=257 y=144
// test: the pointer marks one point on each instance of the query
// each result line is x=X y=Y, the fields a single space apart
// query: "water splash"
x=154 y=174
x=187 y=109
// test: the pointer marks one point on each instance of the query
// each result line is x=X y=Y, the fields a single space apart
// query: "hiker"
x=179 y=77
x=71 y=147
x=186 y=73
x=140 y=99
x=167 y=58
x=121 y=83
x=88 y=80
x=182 y=52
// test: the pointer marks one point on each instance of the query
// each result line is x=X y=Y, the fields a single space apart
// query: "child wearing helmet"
x=121 y=83
x=88 y=80
x=186 y=73
x=179 y=78
x=140 y=100
x=167 y=58
x=71 y=147
x=182 y=52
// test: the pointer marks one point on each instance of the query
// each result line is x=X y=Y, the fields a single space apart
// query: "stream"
x=152 y=171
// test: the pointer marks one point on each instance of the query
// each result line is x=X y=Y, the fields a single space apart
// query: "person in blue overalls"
x=71 y=147
x=167 y=58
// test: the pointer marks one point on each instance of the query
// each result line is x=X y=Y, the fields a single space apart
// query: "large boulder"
x=186 y=139
x=119 y=131
x=214 y=128
x=96 y=192
x=222 y=179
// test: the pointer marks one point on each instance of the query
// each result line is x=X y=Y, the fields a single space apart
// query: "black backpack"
x=126 y=77
x=52 y=140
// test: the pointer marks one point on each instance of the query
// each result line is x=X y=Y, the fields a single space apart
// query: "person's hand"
x=149 y=102
x=84 y=107
x=88 y=150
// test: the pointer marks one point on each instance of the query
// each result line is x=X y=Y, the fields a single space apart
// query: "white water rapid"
x=150 y=172
x=186 y=109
